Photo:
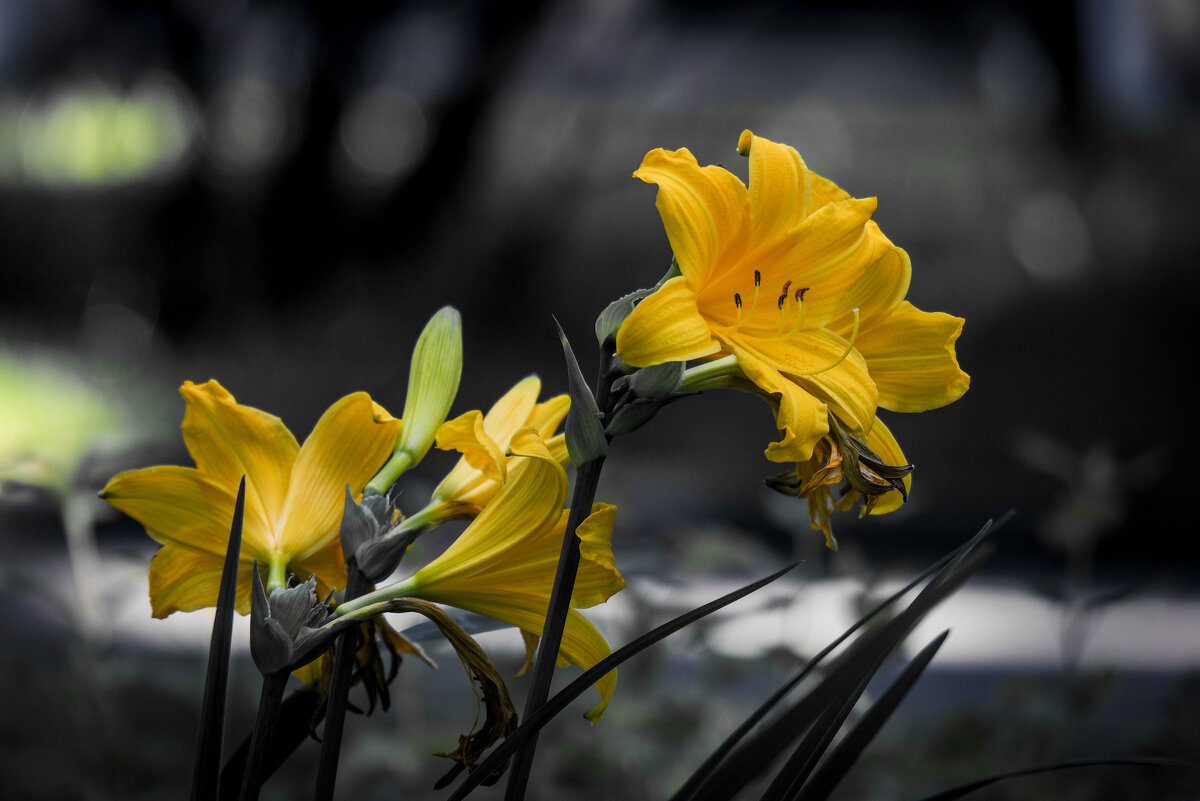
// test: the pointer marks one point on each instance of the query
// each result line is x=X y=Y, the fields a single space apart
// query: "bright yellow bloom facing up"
x=483 y=439
x=503 y=564
x=792 y=278
x=295 y=495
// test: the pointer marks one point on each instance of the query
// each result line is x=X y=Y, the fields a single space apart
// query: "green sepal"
x=659 y=381
x=584 y=431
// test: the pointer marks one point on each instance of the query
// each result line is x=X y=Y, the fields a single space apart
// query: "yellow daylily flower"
x=791 y=278
x=295 y=495
x=483 y=439
x=503 y=564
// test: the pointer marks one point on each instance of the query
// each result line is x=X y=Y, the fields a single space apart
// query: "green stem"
x=339 y=690
x=276 y=573
x=587 y=479
x=386 y=477
x=268 y=704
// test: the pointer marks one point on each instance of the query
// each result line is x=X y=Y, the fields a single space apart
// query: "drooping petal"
x=824 y=192
x=824 y=365
x=666 y=327
x=183 y=579
x=802 y=418
x=910 y=354
x=880 y=440
x=780 y=189
x=704 y=210
x=598 y=578
x=184 y=506
x=349 y=444
x=228 y=440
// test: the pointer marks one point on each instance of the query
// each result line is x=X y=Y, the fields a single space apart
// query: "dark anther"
x=782 y=298
x=800 y=294
x=757 y=278
x=786 y=286
x=737 y=299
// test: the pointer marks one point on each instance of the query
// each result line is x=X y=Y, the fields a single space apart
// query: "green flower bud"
x=432 y=385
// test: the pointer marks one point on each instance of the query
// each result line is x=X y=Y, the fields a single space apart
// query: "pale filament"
x=849 y=349
x=737 y=299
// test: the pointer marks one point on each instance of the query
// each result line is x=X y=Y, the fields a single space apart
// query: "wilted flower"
x=294 y=495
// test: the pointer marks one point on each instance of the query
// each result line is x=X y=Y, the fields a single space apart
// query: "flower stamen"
x=799 y=309
x=753 y=303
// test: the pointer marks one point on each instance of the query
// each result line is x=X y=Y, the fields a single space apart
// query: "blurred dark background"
x=279 y=195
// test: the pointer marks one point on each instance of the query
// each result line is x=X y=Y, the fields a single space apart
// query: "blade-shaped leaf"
x=535 y=721
x=842 y=758
x=207 y=766
x=709 y=765
x=853 y=668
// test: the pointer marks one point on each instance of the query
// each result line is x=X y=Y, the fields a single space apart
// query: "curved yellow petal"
x=827 y=254
x=825 y=366
x=183 y=579
x=780 y=188
x=184 y=506
x=512 y=410
x=880 y=440
x=666 y=327
x=522 y=511
x=598 y=578
x=910 y=354
x=228 y=440
x=348 y=445
x=549 y=414
x=704 y=210
x=468 y=435
x=882 y=285
x=824 y=192
x=802 y=418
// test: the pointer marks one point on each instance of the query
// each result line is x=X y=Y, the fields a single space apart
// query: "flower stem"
x=400 y=462
x=268 y=704
x=276 y=573
x=586 y=481
x=339 y=690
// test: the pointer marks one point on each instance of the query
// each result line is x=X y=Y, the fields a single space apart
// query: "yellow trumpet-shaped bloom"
x=295 y=495
x=503 y=564
x=483 y=439
x=792 y=278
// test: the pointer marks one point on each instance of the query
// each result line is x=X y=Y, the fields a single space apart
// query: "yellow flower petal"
x=183 y=505
x=183 y=579
x=880 y=440
x=468 y=435
x=703 y=210
x=666 y=327
x=513 y=410
x=598 y=578
x=228 y=440
x=802 y=418
x=349 y=444
x=780 y=188
x=911 y=357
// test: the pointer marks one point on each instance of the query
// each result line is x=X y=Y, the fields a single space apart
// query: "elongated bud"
x=432 y=385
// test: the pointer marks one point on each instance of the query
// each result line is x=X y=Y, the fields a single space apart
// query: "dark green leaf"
x=584 y=431
x=207 y=765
